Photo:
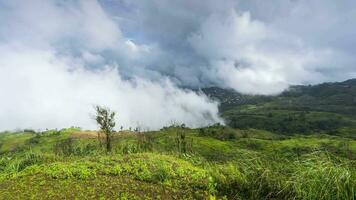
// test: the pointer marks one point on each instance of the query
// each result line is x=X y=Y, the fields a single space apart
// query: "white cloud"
x=41 y=23
x=40 y=90
x=52 y=75
x=253 y=58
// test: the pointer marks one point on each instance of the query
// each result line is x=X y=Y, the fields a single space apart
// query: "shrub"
x=34 y=140
x=64 y=147
x=129 y=148
x=219 y=132
x=144 y=141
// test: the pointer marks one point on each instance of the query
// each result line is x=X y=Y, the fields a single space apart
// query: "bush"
x=129 y=148
x=34 y=140
x=144 y=141
x=219 y=132
x=64 y=147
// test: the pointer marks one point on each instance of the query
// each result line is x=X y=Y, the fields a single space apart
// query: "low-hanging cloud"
x=58 y=92
x=53 y=75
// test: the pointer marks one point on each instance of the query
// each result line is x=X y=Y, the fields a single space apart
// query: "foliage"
x=106 y=119
x=64 y=147
x=220 y=132
x=144 y=141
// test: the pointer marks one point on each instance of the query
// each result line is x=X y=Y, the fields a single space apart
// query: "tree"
x=106 y=120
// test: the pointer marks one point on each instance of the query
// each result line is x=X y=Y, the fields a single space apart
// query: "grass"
x=12 y=141
x=248 y=164
x=98 y=188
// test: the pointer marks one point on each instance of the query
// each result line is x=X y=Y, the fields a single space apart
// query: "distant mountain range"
x=333 y=93
x=324 y=107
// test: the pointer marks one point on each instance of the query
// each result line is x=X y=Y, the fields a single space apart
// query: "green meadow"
x=215 y=162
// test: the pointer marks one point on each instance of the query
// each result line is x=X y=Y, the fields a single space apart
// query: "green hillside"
x=325 y=108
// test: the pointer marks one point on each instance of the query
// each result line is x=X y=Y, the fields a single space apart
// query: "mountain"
x=300 y=109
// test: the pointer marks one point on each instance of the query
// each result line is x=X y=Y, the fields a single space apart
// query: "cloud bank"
x=59 y=58
x=52 y=74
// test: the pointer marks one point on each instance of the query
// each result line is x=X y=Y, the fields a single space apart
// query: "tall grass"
x=319 y=177
x=315 y=176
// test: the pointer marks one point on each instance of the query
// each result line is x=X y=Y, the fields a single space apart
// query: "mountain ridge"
x=299 y=110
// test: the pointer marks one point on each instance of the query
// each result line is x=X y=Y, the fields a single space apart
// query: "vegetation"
x=300 y=110
x=106 y=119
x=240 y=164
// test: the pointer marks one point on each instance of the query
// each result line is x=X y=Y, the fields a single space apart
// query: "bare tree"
x=106 y=120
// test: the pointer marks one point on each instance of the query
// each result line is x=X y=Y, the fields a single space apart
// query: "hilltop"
x=298 y=110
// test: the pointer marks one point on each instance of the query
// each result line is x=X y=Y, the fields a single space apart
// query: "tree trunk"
x=108 y=143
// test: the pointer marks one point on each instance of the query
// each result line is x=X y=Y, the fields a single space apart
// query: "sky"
x=142 y=58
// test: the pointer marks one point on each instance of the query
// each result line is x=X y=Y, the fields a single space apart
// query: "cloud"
x=274 y=45
x=251 y=57
x=59 y=23
x=53 y=75
x=41 y=90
